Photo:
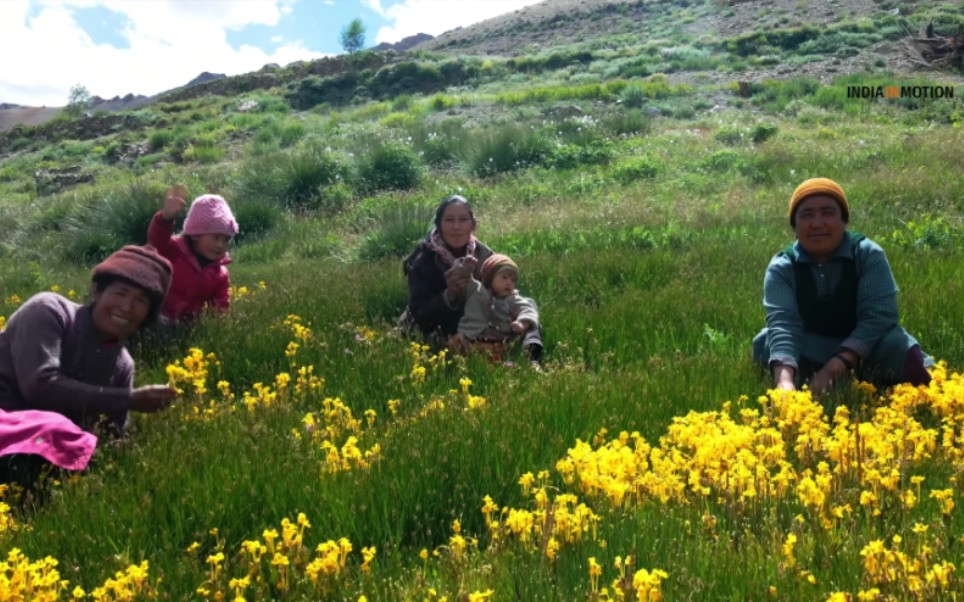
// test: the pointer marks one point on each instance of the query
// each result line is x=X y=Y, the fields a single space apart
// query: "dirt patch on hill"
x=26 y=116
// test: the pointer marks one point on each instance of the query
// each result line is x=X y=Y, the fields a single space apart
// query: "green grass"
x=643 y=239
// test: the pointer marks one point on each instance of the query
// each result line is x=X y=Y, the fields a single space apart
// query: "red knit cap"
x=813 y=187
x=210 y=214
x=493 y=264
x=141 y=265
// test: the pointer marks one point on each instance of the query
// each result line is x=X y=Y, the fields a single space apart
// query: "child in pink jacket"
x=199 y=255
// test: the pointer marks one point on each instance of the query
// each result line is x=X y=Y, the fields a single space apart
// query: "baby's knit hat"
x=141 y=265
x=815 y=186
x=210 y=214
x=493 y=264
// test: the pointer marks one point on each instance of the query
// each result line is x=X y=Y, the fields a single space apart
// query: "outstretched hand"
x=152 y=398
x=174 y=202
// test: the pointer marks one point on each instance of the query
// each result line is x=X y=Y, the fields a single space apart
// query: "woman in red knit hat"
x=831 y=302
x=64 y=369
x=199 y=256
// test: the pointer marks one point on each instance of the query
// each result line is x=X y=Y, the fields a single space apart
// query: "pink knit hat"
x=210 y=214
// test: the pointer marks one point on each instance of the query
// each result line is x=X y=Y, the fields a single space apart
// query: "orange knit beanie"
x=815 y=186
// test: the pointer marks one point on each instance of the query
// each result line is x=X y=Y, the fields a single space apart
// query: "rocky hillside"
x=543 y=26
x=595 y=26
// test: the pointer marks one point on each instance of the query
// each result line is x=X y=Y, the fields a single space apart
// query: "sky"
x=117 y=47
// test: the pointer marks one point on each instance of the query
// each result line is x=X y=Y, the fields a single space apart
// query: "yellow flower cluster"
x=424 y=361
x=349 y=457
x=195 y=370
x=21 y=579
x=644 y=586
x=3 y=322
x=550 y=526
x=240 y=292
x=472 y=402
x=279 y=564
x=129 y=584
x=902 y=573
x=712 y=455
x=39 y=581
x=7 y=522
x=329 y=425
x=192 y=370
x=788 y=450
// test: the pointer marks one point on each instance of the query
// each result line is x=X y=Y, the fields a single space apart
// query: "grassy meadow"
x=318 y=453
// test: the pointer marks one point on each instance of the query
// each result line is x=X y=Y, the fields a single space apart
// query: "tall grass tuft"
x=506 y=149
x=117 y=217
x=294 y=180
x=395 y=229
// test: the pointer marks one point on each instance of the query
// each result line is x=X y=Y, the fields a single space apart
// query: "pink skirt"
x=47 y=434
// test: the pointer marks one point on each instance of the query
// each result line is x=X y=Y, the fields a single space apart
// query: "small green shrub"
x=762 y=132
x=928 y=233
x=722 y=160
x=402 y=102
x=507 y=149
x=335 y=198
x=440 y=144
x=569 y=156
x=119 y=217
x=633 y=97
x=636 y=168
x=730 y=136
x=621 y=123
x=150 y=160
x=158 y=139
x=255 y=219
x=396 y=230
x=391 y=166
x=292 y=132
x=442 y=102
x=294 y=180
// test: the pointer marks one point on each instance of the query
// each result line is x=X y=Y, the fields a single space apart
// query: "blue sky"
x=116 y=47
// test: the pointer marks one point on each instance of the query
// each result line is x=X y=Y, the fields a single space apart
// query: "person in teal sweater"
x=831 y=303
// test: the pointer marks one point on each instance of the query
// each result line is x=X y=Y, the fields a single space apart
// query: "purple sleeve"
x=36 y=347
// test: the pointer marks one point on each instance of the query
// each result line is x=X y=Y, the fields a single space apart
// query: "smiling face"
x=119 y=309
x=504 y=281
x=457 y=226
x=820 y=226
x=212 y=247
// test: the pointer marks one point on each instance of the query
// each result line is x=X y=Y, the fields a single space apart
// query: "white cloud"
x=375 y=5
x=435 y=17
x=171 y=42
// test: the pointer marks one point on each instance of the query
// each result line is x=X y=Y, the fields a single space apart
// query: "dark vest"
x=836 y=314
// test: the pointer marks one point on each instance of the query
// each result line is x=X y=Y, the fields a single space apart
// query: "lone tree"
x=353 y=36
x=77 y=101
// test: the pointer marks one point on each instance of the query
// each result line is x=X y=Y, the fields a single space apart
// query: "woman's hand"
x=459 y=276
x=152 y=398
x=174 y=202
